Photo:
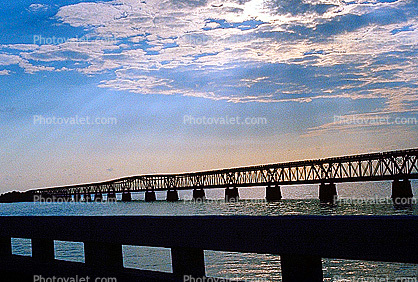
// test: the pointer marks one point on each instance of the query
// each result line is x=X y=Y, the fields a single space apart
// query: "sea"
x=369 y=198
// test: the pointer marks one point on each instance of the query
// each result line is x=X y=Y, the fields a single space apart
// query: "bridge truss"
x=366 y=167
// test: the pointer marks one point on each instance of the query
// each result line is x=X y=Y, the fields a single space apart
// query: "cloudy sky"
x=303 y=78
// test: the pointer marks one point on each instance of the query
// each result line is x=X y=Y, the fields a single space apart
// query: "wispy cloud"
x=36 y=8
x=269 y=51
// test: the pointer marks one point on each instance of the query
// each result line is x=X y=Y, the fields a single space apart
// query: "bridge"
x=397 y=166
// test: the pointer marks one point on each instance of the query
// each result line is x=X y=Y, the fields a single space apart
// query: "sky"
x=96 y=90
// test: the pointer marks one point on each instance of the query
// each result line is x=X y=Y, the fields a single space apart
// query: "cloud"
x=36 y=8
x=6 y=59
x=5 y=72
x=241 y=51
x=20 y=47
x=91 y=14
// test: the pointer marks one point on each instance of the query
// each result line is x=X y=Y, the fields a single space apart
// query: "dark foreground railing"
x=301 y=242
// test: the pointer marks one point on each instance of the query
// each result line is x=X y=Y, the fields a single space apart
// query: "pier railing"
x=300 y=241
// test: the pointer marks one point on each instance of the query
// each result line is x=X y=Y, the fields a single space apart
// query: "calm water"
x=253 y=267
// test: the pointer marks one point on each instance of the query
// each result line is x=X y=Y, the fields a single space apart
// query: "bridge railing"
x=301 y=242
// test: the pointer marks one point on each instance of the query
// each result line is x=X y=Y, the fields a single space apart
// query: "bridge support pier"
x=199 y=195
x=231 y=194
x=297 y=268
x=273 y=193
x=327 y=193
x=43 y=250
x=77 y=197
x=150 y=196
x=98 y=197
x=188 y=261
x=111 y=196
x=401 y=192
x=126 y=196
x=103 y=255
x=172 y=195
x=87 y=197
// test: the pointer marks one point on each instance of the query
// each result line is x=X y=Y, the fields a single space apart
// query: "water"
x=250 y=267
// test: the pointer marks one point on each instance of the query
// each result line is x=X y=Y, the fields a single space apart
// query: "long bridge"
x=300 y=241
x=398 y=166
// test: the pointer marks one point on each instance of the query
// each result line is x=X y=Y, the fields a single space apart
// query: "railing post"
x=188 y=261
x=298 y=268
x=103 y=255
x=5 y=246
x=43 y=250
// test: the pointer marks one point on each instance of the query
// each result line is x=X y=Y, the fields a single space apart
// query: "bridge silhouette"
x=399 y=166
x=301 y=241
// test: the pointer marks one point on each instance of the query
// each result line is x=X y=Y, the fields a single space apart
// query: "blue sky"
x=295 y=65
